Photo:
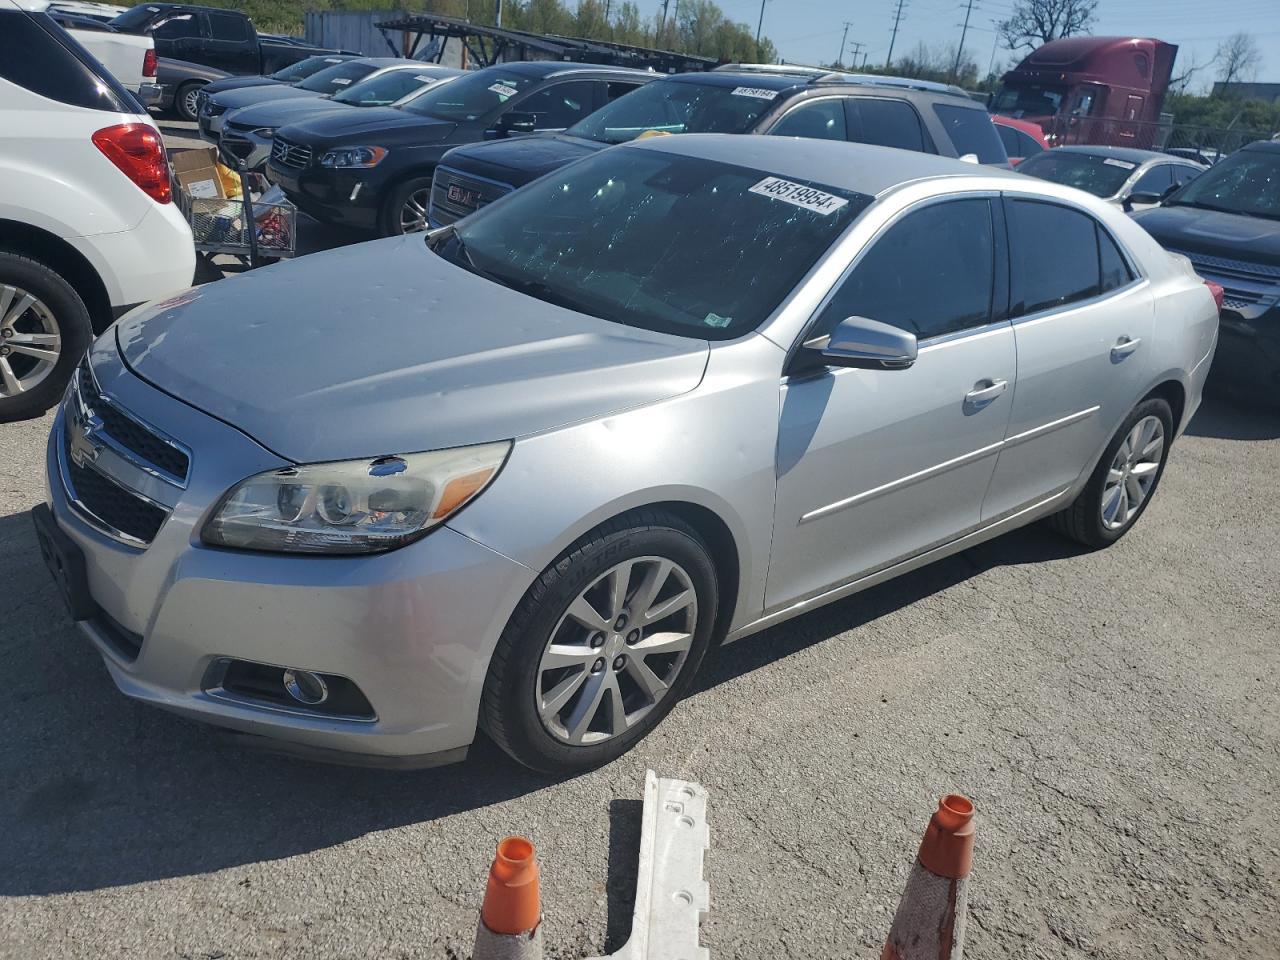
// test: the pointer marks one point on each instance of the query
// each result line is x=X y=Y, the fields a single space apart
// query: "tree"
x=1035 y=22
x=1238 y=58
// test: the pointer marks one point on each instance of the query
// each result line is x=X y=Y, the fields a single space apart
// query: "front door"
x=1083 y=321
x=877 y=465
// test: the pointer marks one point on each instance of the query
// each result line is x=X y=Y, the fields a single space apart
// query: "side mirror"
x=866 y=344
x=1146 y=199
x=517 y=122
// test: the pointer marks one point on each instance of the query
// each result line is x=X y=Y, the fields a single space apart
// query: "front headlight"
x=352 y=506
x=353 y=157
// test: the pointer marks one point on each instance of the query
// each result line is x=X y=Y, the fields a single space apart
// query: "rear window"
x=228 y=26
x=1103 y=176
x=38 y=55
x=136 y=17
x=305 y=68
x=890 y=123
x=971 y=131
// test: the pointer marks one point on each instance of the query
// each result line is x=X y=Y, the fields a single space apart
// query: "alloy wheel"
x=413 y=215
x=617 y=651
x=1132 y=473
x=191 y=102
x=30 y=342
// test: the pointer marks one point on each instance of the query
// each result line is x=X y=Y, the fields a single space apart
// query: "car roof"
x=763 y=81
x=859 y=167
x=1271 y=146
x=547 y=68
x=1131 y=154
x=389 y=61
x=826 y=80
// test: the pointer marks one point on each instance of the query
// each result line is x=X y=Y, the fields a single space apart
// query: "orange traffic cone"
x=510 y=925
x=931 y=917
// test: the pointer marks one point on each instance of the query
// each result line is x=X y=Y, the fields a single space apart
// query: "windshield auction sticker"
x=1113 y=162
x=503 y=90
x=799 y=195
x=758 y=92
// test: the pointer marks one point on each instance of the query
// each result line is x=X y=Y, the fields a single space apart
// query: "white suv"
x=88 y=227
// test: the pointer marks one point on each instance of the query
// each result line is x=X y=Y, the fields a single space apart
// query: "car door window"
x=560 y=105
x=1027 y=145
x=224 y=26
x=1009 y=137
x=1155 y=181
x=1055 y=256
x=182 y=27
x=1183 y=174
x=889 y=123
x=931 y=273
x=821 y=119
x=971 y=131
x=1114 y=268
x=617 y=88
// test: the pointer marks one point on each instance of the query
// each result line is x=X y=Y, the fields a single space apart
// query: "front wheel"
x=186 y=100
x=603 y=645
x=405 y=210
x=44 y=331
x=1124 y=480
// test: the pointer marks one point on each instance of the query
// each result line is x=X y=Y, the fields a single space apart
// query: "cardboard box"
x=197 y=173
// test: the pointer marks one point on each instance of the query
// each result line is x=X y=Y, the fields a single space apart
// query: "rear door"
x=1083 y=319
x=887 y=122
x=231 y=43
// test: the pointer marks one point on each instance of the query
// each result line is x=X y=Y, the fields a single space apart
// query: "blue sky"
x=808 y=31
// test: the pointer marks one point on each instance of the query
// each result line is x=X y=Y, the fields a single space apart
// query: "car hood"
x=276 y=113
x=384 y=348
x=521 y=159
x=1211 y=232
x=241 y=83
x=248 y=96
x=369 y=121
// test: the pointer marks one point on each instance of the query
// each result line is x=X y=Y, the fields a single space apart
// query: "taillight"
x=149 y=63
x=1217 y=291
x=136 y=149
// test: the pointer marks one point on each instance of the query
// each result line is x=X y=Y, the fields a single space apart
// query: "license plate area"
x=65 y=562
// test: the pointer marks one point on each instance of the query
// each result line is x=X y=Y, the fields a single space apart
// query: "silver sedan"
x=522 y=473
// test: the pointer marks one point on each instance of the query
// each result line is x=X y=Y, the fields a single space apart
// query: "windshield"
x=470 y=97
x=1246 y=182
x=305 y=68
x=135 y=17
x=1032 y=99
x=654 y=240
x=672 y=106
x=1101 y=176
x=386 y=88
x=337 y=77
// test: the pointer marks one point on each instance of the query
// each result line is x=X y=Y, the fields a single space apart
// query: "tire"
x=56 y=303
x=1085 y=520
x=518 y=678
x=184 y=100
x=390 y=221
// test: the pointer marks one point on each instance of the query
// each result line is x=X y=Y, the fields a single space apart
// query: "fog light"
x=305 y=687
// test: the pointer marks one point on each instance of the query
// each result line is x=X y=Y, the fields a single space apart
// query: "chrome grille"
x=289 y=154
x=454 y=195
x=136 y=441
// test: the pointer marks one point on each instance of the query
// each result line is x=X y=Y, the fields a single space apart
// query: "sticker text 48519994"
x=799 y=195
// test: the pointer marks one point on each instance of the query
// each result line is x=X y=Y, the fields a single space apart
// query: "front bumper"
x=347 y=198
x=249 y=146
x=1247 y=364
x=397 y=625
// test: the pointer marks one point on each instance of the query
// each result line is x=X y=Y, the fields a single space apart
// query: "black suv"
x=1227 y=222
x=373 y=171
x=911 y=115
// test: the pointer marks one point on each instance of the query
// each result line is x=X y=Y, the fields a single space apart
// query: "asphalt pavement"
x=1114 y=716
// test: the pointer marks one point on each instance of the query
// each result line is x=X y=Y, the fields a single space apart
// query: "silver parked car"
x=524 y=471
x=1129 y=178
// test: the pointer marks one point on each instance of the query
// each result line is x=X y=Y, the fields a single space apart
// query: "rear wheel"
x=1124 y=480
x=405 y=210
x=603 y=645
x=186 y=100
x=44 y=331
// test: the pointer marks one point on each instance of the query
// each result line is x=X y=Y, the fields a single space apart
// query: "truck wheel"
x=44 y=331
x=405 y=210
x=184 y=100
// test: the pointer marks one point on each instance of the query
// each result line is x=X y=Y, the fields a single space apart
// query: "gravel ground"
x=1114 y=716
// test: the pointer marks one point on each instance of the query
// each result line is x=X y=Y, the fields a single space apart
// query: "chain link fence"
x=1207 y=144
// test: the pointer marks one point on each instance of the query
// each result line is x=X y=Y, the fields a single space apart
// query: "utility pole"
x=897 y=19
x=955 y=71
x=662 y=27
x=843 y=38
x=759 y=28
x=497 y=13
x=857 y=47
x=991 y=66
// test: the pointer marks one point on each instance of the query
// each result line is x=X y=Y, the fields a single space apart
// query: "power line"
x=955 y=71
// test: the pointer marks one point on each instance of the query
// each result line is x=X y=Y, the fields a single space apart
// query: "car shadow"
x=1223 y=418
x=102 y=791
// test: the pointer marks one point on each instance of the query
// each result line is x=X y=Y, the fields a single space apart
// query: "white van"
x=88 y=227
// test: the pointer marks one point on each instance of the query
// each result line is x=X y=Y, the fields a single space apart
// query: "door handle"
x=982 y=395
x=1124 y=346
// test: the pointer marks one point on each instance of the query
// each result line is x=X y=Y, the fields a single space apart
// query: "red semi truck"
x=1105 y=90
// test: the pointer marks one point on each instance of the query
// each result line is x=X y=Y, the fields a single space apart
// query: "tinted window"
x=818 y=119
x=1009 y=137
x=931 y=273
x=1183 y=174
x=383 y=89
x=472 y=96
x=889 y=123
x=134 y=18
x=337 y=77
x=676 y=106
x=1055 y=256
x=1028 y=144
x=180 y=27
x=616 y=88
x=1102 y=176
x=37 y=54
x=1115 y=271
x=971 y=131
x=656 y=240
x=1030 y=99
x=559 y=105
x=1248 y=181
x=225 y=26
x=1156 y=180
x=305 y=68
